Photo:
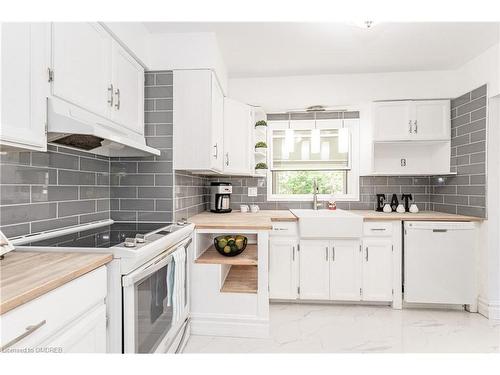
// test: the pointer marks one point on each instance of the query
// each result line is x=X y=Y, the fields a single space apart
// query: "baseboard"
x=491 y=310
x=216 y=325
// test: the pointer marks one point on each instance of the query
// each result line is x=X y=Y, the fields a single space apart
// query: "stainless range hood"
x=69 y=125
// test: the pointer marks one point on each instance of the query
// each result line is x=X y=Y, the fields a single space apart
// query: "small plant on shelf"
x=261 y=168
x=260 y=123
x=260 y=146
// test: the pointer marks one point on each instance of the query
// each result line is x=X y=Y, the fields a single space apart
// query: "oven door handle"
x=142 y=273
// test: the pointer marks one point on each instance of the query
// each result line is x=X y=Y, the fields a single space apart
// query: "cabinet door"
x=81 y=55
x=25 y=87
x=128 y=87
x=237 y=137
x=86 y=335
x=377 y=270
x=345 y=271
x=314 y=269
x=431 y=120
x=283 y=269
x=392 y=121
x=217 y=125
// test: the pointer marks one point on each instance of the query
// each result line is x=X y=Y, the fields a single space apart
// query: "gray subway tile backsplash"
x=142 y=188
x=45 y=191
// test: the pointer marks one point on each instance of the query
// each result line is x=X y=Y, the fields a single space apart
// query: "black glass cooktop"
x=103 y=237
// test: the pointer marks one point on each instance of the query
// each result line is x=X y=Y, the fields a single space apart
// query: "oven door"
x=151 y=304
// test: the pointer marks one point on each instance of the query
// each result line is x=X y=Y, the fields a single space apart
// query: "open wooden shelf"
x=247 y=258
x=241 y=279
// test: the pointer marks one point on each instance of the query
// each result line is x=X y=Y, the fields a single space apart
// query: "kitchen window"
x=304 y=150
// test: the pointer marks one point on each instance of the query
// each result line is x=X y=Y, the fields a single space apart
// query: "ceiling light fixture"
x=363 y=24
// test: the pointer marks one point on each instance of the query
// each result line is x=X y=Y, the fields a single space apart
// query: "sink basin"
x=328 y=223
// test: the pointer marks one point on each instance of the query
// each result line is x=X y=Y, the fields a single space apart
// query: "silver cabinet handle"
x=410 y=130
x=333 y=254
x=366 y=255
x=117 y=92
x=326 y=253
x=227 y=159
x=378 y=229
x=29 y=331
x=416 y=127
x=293 y=253
x=110 y=95
x=216 y=151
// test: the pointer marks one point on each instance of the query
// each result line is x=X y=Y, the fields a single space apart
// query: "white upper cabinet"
x=404 y=120
x=198 y=130
x=391 y=120
x=81 y=62
x=128 y=90
x=93 y=72
x=237 y=136
x=25 y=87
x=432 y=120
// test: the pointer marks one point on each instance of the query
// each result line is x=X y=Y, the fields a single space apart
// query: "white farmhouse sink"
x=328 y=223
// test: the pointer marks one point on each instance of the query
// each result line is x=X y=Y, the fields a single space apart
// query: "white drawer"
x=47 y=314
x=377 y=228
x=284 y=228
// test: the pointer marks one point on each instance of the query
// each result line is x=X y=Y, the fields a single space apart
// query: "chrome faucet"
x=315 y=194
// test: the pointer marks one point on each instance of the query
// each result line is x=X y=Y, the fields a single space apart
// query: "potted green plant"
x=260 y=123
x=261 y=146
x=261 y=168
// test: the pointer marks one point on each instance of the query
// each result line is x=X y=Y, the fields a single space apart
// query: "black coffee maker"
x=380 y=202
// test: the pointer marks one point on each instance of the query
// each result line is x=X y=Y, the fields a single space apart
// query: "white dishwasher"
x=439 y=262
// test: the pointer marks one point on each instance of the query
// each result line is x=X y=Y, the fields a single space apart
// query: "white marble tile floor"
x=310 y=328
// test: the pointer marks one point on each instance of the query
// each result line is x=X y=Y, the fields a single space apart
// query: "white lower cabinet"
x=330 y=270
x=345 y=270
x=377 y=270
x=283 y=269
x=314 y=273
x=71 y=318
x=86 y=335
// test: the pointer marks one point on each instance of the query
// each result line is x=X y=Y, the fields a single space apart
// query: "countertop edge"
x=231 y=226
x=39 y=291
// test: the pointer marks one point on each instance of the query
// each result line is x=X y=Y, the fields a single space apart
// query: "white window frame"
x=354 y=158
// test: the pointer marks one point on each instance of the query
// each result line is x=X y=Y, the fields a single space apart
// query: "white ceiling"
x=280 y=49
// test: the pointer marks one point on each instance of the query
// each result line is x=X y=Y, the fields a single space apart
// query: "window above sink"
x=303 y=150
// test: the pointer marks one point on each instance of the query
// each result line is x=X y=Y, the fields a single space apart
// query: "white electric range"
x=148 y=279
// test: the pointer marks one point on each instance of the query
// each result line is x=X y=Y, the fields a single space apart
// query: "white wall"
x=484 y=68
x=187 y=51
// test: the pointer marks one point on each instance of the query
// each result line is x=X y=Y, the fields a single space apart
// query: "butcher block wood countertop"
x=25 y=276
x=261 y=220
x=408 y=216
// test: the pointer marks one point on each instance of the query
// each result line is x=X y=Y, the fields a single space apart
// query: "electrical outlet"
x=252 y=191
